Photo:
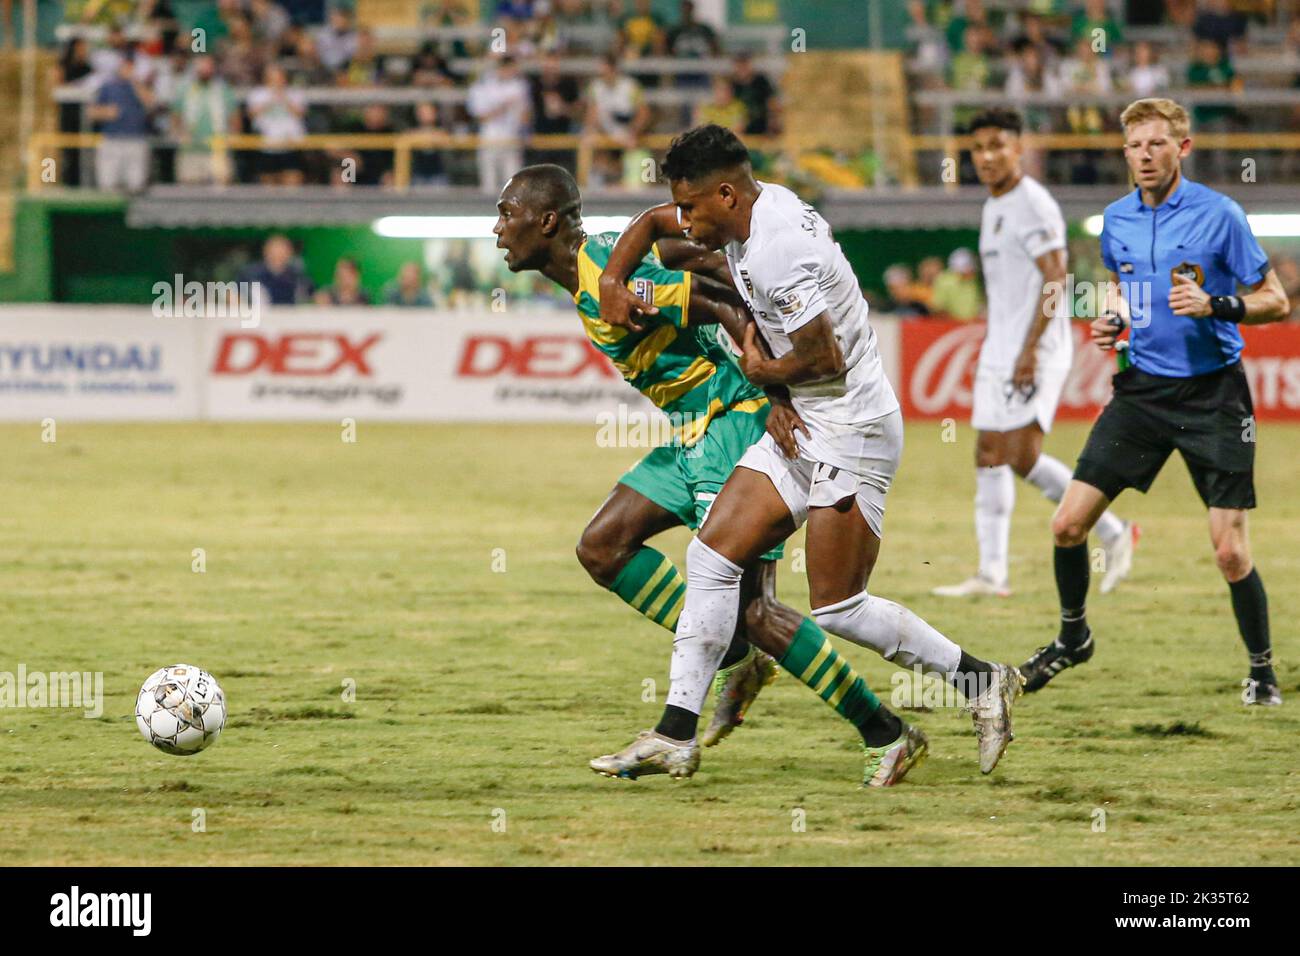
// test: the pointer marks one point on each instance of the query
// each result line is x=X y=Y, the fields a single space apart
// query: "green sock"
x=651 y=584
x=813 y=660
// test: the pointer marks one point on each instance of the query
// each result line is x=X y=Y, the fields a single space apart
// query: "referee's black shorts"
x=1209 y=418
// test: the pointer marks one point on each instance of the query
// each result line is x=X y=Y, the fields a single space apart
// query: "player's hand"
x=1025 y=372
x=752 y=358
x=782 y=423
x=621 y=308
x=1188 y=298
x=1105 y=330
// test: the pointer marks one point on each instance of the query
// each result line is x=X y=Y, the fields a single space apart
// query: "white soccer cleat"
x=977 y=586
x=991 y=712
x=650 y=754
x=1119 y=557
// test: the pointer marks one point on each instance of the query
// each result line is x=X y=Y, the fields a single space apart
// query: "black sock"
x=881 y=728
x=966 y=677
x=736 y=650
x=1250 y=605
x=1071 y=566
x=677 y=723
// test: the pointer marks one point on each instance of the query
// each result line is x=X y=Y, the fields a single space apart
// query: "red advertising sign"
x=938 y=367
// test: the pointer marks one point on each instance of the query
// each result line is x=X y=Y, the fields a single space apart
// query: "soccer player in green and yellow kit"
x=677 y=360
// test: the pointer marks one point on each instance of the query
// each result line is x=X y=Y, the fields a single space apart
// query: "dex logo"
x=299 y=353
x=532 y=356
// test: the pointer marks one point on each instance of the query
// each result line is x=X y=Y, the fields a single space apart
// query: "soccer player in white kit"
x=828 y=458
x=1025 y=359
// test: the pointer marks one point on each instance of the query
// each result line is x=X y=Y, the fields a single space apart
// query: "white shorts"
x=858 y=463
x=998 y=407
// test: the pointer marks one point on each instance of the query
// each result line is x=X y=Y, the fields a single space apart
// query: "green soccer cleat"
x=886 y=766
x=734 y=689
x=650 y=754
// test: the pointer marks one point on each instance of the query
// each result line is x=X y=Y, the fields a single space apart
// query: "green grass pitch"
x=485 y=679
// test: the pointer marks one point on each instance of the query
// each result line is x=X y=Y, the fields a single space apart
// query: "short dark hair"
x=548 y=187
x=704 y=150
x=998 y=117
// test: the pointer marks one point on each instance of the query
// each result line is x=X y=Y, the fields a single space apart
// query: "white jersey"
x=790 y=271
x=1015 y=229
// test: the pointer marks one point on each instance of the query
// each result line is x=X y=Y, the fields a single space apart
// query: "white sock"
x=706 y=625
x=1051 y=477
x=995 y=497
x=892 y=631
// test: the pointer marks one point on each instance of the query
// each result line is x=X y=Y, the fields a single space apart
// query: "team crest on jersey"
x=1188 y=270
x=644 y=289
x=1126 y=267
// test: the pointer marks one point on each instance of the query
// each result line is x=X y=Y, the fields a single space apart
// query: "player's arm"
x=686 y=255
x=1052 y=266
x=619 y=306
x=1266 y=302
x=814 y=356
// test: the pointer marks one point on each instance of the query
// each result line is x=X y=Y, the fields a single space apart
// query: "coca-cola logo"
x=941 y=377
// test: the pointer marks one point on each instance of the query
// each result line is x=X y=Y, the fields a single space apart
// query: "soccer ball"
x=180 y=709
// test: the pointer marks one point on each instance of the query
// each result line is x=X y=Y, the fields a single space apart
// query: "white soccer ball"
x=180 y=709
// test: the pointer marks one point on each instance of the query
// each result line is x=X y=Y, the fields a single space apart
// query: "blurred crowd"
x=248 y=66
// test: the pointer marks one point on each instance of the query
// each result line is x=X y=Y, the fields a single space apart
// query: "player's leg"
x=1229 y=534
x=1051 y=476
x=995 y=497
x=845 y=519
x=649 y=499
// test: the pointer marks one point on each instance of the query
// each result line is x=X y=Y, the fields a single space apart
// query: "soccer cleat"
x=650 y=754
x=1050 y=660
x=977 y=586
x=1260 y=693
x=886 y=766
x=991 y=712
x=734 y=689
x=1119 y=557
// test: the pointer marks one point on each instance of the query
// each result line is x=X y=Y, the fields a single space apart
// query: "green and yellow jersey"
x=687 y=372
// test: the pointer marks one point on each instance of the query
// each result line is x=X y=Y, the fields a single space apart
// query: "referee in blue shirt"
x=1176 y=251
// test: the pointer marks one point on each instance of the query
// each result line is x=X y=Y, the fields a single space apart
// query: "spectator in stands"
x=927 y=41
x=971 y=69
x=374 y=166
x=557 y=108
x=1093 y=22
x=906 y=297
x=336 y=42
x=1210 y=68
x=928 y=271
x=722 y=108
x=242 y=60
x=280 y=275
x=428 y=167
x=691 y=38
x=346 y=289
x=431 y=68
x=1029 y=73
x=305 y=65
x=641 y=31
x=270 y=22
x=366 y=68
x=1087 y=72
x=762 y=106
x=105 y=60
x=1146 y=76
x=957 y=290
x=616 y=107
x=499 y=101
x=205 y=106
x=514 y=10
x=122 y=108
x=973 y=15
x=408 y=288
x=1220 y=24
x=277 y=115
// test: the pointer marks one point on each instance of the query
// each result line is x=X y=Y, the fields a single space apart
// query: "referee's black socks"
x=1250 y=605
x=1072 y=576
